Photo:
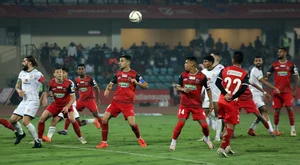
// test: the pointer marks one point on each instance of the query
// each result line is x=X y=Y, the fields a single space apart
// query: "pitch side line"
x=136 y=154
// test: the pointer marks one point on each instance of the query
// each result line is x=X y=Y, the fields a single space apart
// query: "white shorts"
x=258 y=100
x=76 y=114
x=205 y=103
x=27 y=108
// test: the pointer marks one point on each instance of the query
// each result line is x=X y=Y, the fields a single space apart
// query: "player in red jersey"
x=7 y=124
x=190 y=84
x=126 y=80
x=232 y=82
x=64 y=97
x=87 y=88
x=283 y=71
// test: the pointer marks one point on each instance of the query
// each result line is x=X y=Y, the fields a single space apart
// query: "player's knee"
x=204 y=125
x=104 y=121
x=289 y=108
x=25 y=122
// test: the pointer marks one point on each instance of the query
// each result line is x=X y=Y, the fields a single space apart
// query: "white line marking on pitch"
x=136 y=154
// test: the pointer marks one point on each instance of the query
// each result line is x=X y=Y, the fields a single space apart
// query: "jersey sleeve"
x=271 y=69
x=245 y=85
x=205 y=83
x=40 y=77
x=19 y=77
x=139 y=78
x=294 y=70
x=93 y=82
x=257 y=74
x=219 y=83
x=71 y=88
x=180 y=80
x=114 y=79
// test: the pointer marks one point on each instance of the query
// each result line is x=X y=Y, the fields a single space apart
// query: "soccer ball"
x=135 y=16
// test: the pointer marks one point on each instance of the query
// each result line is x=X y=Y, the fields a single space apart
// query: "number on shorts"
x=181 y=111
x=229 y=81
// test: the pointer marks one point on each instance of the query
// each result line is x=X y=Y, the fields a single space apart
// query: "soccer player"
x=28 y=86
x=61 y=116
x=256 y=80
x=211 y=71
x=283 y=71
x=190 y=84
x=126 y=80
x=232 y=82
x=87 y=88
x=64 y=97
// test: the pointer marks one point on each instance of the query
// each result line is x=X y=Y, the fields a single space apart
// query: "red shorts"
x=89 y=104
x=115 y=108
x=55 y=110
x=249 y=106
x=197 y=113
x=229 y=111
x=282 y=99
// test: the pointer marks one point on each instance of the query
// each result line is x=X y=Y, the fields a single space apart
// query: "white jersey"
x=212 y=76
x=31 y=84
x=255 y=75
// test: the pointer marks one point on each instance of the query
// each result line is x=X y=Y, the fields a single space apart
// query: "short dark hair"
x=65 y=69
x=194 y=59
x=32 y=60
x=238 y=57
x=57 y=68
x=209 y=58
x=284 y=49
x=258 y=56
x=216 y=53
x=80 y=65
x=127 y=57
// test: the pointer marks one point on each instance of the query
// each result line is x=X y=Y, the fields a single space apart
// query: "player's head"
x=282 y=53
x=208 y=61
x=58 y=73
x=217 y=56
x=190 y=62
x=29 y=61
x=237 y=58
x=124 y=61
x=81 y=69
x=65 y=71
x=258 y=61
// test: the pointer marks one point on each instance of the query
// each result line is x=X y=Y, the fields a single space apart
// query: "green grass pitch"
x=157 y=131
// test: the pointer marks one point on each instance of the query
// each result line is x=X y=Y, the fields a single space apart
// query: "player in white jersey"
x=256 y=80
x=61 y=116
x=28 y=87
x=211 y=71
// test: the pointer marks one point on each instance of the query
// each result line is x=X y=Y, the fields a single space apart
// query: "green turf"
x=157 y=132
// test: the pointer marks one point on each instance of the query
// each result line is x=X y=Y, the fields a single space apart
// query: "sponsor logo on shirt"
x=59 y=87
x=192 y=87
x=123 y=84
x=81 y=82
x=59 y=95
x=282 y=66
x=83 y=89
x=234 y=73
x=192 y=77
x=282 y=73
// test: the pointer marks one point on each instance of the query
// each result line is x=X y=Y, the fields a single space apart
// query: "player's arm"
x=296 y=75
x=245 y=85
x=110 y=85
x=18 y=87
x=209 y=94
x=71 y=90
x=140 y=82
x=269 y=72
x=219 y=83
x=180 y=84
x=44 y=96
x=265 y=82
x=97 y=90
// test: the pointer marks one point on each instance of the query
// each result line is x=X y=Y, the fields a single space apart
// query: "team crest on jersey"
x=26 y=80
x=287 y=67
x=124 y=75
x=185 y=79
x=86 y=83
x=64 y=89
x=197 y=81
x=31 y=76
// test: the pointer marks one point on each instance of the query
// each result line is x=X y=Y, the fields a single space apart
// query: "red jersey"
x=195 y=82
x=61 y=92
x=85 y=88
x=125 y=92
x=233 y=78
x=282 y=75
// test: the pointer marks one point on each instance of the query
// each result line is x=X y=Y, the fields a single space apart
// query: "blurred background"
x=97 y=32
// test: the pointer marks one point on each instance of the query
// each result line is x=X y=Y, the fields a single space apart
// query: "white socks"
x=218 y=127
x=173 y=142
x=51 y=132
x=276 y=127
x=270 y=125
x=18 y=127
x=32 y=131
x=254 y=124
x=293 y=128
x=88 y=121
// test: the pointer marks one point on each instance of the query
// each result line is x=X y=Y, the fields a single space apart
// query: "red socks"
x=136 y=130
x=177 y=129
x=291 y=117
x=104 y=131
x=205 y=129
x=76 y=128
x=67 y=123
x=226 y=138
x=276 y=118
x=7 y=124
x=100 y=121
x=41 y=129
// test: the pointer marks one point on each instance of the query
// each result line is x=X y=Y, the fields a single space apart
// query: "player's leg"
x=92 y=106
x=50 y=111
x=218 y=122
x=52 y=128
x=258 y=100
x=208 y=118
x=66 y=125
x=7 y=124
x=225 y=145
x=277 y=105
x=135 y=129
x=205 y=131
x=14 y=120
x=288 y=103
x=76 y=127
